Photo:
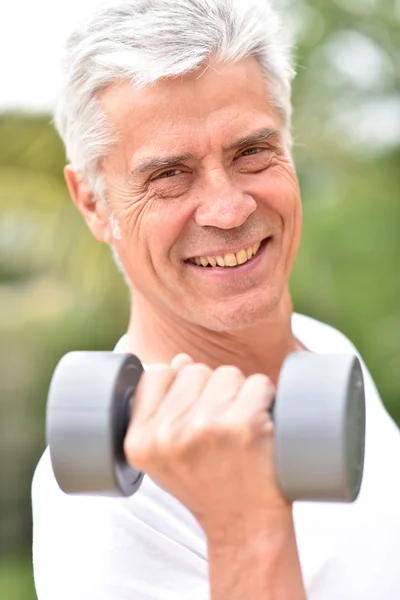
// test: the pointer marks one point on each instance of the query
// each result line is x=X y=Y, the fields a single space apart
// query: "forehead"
x=216 y=104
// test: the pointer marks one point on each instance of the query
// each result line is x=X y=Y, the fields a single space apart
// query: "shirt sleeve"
x=95 y=548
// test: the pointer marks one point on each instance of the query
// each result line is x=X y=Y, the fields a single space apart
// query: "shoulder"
x=320 y=337
x=325 y=339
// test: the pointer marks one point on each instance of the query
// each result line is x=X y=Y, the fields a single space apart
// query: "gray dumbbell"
x=319 y=418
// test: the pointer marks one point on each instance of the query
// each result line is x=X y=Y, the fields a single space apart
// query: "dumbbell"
x=318 y=415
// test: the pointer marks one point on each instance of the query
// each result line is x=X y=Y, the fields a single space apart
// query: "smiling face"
x=200 y=176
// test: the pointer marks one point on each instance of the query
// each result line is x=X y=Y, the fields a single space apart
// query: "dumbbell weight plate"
x=88 y=412
x=319 y=418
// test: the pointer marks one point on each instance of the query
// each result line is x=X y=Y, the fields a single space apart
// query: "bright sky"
x=32 y=33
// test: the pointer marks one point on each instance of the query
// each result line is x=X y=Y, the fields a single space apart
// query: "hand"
x=207 y=438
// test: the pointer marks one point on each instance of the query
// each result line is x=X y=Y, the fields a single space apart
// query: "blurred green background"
x=60 y=289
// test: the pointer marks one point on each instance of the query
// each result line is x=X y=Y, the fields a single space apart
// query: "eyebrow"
x=261 y=135
x=152 y=163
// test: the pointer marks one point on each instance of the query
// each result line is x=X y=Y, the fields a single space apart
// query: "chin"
x=233 y=316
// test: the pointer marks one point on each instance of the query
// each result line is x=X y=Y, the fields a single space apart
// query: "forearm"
x=256 y=562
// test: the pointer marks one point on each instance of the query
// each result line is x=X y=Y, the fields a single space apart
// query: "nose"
x=223 y=204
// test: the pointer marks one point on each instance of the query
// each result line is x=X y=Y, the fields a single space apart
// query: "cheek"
x=282 y=196
x=149 y=227
x=287 y=203
x=169 y=223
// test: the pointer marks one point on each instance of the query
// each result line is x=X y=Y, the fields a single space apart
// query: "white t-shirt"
x=150 y=547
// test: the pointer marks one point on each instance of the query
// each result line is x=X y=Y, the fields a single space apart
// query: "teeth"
x=229 y=260
x=241 y=257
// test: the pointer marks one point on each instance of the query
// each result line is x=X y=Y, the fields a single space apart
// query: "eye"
x=167 y=174
x=254 y=160
x=253 y=151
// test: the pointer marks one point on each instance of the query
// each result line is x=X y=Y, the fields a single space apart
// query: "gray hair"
x=146 y=40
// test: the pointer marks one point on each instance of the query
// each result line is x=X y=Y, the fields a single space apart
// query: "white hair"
x=146 y=40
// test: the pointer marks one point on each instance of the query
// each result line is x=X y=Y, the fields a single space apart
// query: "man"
x=176 y=119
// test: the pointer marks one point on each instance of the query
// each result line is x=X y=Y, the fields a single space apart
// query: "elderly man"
x=176 y=119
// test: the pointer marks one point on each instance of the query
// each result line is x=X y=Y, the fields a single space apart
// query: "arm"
x=207 y=438
x=256 y=564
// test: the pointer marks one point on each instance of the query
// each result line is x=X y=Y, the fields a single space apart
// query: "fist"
x=207 y=438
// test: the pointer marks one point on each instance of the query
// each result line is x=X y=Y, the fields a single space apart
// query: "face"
x=200 y=176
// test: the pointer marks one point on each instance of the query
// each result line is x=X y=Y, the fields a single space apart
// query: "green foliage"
x=16 y=579
x=60 y=289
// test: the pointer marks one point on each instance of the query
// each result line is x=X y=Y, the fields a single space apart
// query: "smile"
x=228 y=260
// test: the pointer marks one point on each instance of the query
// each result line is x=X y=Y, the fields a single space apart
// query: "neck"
x=156 y=335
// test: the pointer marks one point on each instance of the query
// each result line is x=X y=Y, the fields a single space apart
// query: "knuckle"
x=261 y=378
x=245 y=434
x=199 y=428
x=196 y=370
x=165 y=439
x=224 y=429
x=261 y=381
x=180 y=443
x=240 y=430
x=229 y=372
x=202 y=430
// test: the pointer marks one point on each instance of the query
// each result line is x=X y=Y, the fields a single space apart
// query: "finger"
x=185 y=391
x=180 y=361
x=255 y=399
x=151 y=390
x=221 y=389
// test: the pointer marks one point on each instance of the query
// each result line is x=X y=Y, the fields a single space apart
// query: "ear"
x=91 y=207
